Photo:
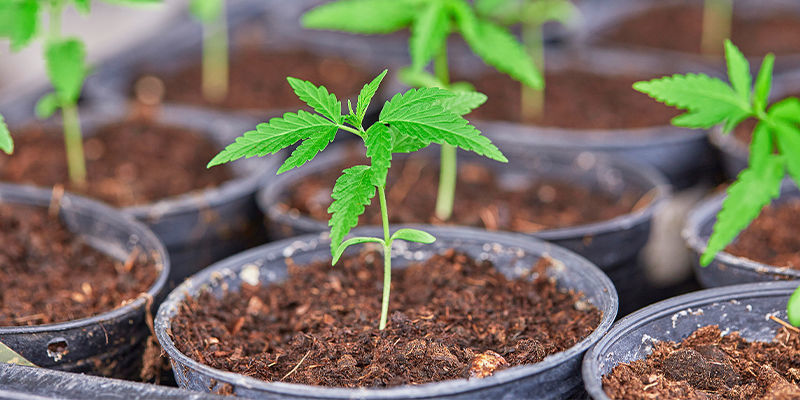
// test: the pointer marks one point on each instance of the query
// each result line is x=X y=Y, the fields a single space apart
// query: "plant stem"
x=717 y=17
x=73 y=142
x=215 y=58
x=532 y=107
x=387 y=259
x=448 y=161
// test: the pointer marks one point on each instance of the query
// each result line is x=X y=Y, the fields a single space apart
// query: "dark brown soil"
x=709 y=366
x=258 y=79
x=50 y=275
x=577 y=100
x=680 y=28
x=128 y=163
x=480 y=200
x=773 y=238
x=450 y=316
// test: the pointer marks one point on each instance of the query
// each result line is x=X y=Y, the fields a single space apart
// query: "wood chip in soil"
x=710 y=366
x=320 y=326
x=50 y=275
x=773 y=238
x=480 y=199
x=679 y=28
x=129 y=163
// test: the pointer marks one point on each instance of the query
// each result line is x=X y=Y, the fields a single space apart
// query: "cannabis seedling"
x=774 y=150
x=407 y=123
x=431 y=22
x=215 y=47
x=65 y=59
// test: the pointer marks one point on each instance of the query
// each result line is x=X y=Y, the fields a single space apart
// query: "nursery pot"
x=556 y=377
x=599 y=242
x=740 y=308
x=110 y=343
x=727 y=269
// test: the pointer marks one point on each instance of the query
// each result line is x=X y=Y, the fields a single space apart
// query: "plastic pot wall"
x=556 y=377
x=740 y=308
x=612 y=245
x=110 y=343
x=727 y=269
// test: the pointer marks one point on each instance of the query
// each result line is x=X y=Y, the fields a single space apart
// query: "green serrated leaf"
x=709 y=101
x=365 y=97
x=414 y=235
x=47 y=105
x=498 y=48
x=6 y=143
x=362 y=16
x=66 y=67
x=793 y=308
x=419 y=114
x=19 y=21
x=760 y=146
x=351 y=193
x=271 y=137
x=309 y=149
x=788 y=136
x=379 y=151
x=763 y=83
x=9 y=356
x=206 y=10
x=318 y=98
x=337 y=254
x=402 y=143
x=464 y=102
x=753 y=189
x=738 y=70
x=428 y=33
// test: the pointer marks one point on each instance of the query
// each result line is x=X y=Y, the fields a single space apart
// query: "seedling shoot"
x=407 y=123
x=431 y=22
x=215 y=47
x=774 y=150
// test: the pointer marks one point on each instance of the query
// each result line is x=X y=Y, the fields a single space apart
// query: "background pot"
x=740 y=308
x=110 y=343
x=554 y=378
x=727 y=269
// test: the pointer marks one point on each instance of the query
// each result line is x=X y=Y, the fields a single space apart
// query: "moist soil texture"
x=577 y=100
x=450 y=317
x=773 y=238
x=707 y=365
x=51 y=275
x=481 y=200
x=679 y=28
x=258 y=80
x=128 y=163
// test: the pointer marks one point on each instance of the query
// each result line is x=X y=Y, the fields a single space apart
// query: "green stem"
x=448 y=167
x=532 y=107
x=73 y=142
x=387 y=259
x=717 y=17
x=215 y=58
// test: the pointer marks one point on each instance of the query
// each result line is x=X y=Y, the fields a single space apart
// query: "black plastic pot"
x=601 y=242
x=17 y=382
x=727 y=269
x=201 y=227
x=740 y=308
x=110 y=343
x=556 y=377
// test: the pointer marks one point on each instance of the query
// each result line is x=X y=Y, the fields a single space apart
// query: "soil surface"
x=481 y=201
x=450 y=317
x=258 y=80
x=50 y=275
x=679 y=28
x=773 y=238
x=129 y=163
x=577 y=100
x=709 y=366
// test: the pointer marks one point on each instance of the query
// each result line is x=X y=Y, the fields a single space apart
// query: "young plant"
x=717 y=21
x=215 y=47
x=774 y=150
x=407 y=123
x=431 y=22
x=65 y=61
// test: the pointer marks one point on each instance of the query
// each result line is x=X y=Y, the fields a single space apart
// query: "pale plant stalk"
x=215 y=58
x=387 y=259
x=448 y=162
x=532 y=100
x=717 y=20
